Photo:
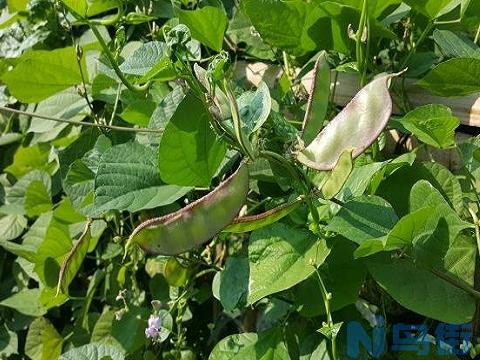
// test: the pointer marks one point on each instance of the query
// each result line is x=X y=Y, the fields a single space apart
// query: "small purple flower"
x=154 y=326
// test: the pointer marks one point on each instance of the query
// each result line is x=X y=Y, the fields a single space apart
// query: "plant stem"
x=113 y=62
x=477 y=35
x=359 y=48
x=80 y=123
x=326 y=301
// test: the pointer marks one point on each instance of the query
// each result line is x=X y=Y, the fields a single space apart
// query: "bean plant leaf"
x=40 y=74
x=432 y=124
x=406 y=283
x=37 y=199
x=207 y=24
x=11 y=226
x=150 y=60
x=317 y=104
x=266 y=346
x=454 y=45
x=364 y=218
x=254 y=108
x=343 y=276
x=73 y=260
x=430 y=8
x=31 y=158
x=279 y=257
x=454 y=77
x=128 y=179
x=190 y=152
x=355 y=127
x=43 y=340
x=26 y=302
x=93 y=351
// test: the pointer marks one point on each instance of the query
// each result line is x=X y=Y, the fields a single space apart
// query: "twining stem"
x=113 y=63
x=477 y=35
x=326 y=301
x=362 y=27
x=80 y=123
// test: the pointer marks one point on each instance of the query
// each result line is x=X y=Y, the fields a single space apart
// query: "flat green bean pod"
x=317 y=104
x=254 y=222
x=356 y=127
x=196 y=223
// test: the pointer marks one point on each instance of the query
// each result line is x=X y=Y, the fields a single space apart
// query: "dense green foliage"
x=163 y=198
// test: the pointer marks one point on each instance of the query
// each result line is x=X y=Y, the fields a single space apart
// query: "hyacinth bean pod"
x=356 y=127
x=317 y=104
x=196 y=223
x=254 y=222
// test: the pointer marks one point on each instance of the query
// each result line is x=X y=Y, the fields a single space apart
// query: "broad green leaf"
x=455 y=45
x=417 y=289
x=375 y=7
x=432 y=124
x=296 y=18
x=79 y=184
x=30 y=158
x=343 y=277
x=240 y=32
x=317 y=104
x=43 y=341
x=207 y=24
x=337 y=177
x=17 y=5
x=190 y=152
x=149 y=60
x=128 y=179
x=102 y=331
x=233 y=283
x=57 y=242
x=424 y=194
x=26 y=302
x=8 y=341
x=40 y=74
x=86 y=8
x=164 y=112
x=403 y=234
x=229 y=347
x=93 y=351
x=264 y=346
x=454 y=77
x=430 y=8
x=138 y=112
x=300 y=21
x=11 y=226
x=364 y=218
x=356 y=127
x=130 y=330
x=395 y=188
x=280 y=257
x=37 y=199
x=67 y=105
x=73 y=261
x=17 y=193
x=254 y=108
